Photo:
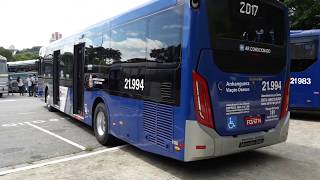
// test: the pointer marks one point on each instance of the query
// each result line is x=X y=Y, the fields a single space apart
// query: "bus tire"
x=49 y=107
x=101 y=125
x=1 y=95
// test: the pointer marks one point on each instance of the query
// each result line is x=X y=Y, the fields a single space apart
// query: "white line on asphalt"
x=60 y=161
x=53 y=120
x=8 y=101
x=57 y=136
x=26 y=113
x=9 y=125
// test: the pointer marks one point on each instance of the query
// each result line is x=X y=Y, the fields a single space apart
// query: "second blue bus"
x=305 y=70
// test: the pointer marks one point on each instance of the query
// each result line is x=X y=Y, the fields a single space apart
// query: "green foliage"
x=304 y=14
x=27 y=54
x=6 y=53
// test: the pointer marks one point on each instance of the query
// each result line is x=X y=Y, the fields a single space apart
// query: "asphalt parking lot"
x=30 y=133
x=39 y=155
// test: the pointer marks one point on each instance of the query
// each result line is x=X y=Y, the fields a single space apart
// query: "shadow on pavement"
x=84 y=127
x=226 y=167
x=306 y=115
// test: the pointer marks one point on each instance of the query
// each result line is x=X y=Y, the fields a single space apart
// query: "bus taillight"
x=285 y=101
x=202 y=100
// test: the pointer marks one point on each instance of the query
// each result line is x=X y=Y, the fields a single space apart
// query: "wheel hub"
x=101 y=123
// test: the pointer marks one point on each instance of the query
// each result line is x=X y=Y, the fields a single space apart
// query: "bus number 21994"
x=271 y=86
x=134 y=84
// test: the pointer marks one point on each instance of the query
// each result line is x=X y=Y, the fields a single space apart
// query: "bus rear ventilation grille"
x=158 y=124
x=166 y=90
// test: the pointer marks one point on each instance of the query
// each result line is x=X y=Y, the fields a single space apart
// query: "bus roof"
x=22 y=63
x=139 y=12
x=304 y=33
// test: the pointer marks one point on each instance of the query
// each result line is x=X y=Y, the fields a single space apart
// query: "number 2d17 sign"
x=248 y=9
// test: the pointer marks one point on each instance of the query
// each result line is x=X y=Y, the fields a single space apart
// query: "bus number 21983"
x=302 y=81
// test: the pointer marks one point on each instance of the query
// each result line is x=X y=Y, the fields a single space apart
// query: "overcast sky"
x=27 y=23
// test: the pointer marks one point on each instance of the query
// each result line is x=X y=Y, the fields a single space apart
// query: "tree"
x=304 y=14
x=27 y=54
x=6 y=53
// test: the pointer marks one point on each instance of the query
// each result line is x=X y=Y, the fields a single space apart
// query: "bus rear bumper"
x=204 y=143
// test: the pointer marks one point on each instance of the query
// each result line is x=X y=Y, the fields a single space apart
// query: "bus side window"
x=48 y=65
x=95 y=61
x=128 y=45
x=130 y=41
x=164 y=38
x=67 y=60
x=164 y=56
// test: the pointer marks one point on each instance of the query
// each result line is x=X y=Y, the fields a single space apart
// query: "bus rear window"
x=247 y=20
x=3 y=67
x=248 y=36
x=303 y=53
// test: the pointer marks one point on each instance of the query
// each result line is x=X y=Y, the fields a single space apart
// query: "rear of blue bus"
x=3 y=77
x=240 y=77
x=305 y=70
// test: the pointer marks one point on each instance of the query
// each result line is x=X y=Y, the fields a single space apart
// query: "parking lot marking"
x=26 y=113
x=57 y=136
x=7 y=101
x=60 y=160
x=9 y=125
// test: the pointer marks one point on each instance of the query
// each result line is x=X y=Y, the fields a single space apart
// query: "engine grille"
x=158 y=124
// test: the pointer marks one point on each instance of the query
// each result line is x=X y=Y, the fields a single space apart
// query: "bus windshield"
x=248 y=40
x=303 y=53
x=3 y=67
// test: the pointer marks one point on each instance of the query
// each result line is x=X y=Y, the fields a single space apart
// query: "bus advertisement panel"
x=188 y=80
x=305 y=68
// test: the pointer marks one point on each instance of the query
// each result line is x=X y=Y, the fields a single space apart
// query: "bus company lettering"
x=257 y=49
x=237 y=87
x=237 y=108
x=272 y=103
x=271 y=99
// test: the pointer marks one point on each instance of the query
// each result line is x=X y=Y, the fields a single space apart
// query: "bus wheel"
x=101 y=129
x=50 y=108
x=1 y=95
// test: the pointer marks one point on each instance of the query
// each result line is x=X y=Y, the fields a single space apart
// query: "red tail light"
x=285 y=100
x=202 y=100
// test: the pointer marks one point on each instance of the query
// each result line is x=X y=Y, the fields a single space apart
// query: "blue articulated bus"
x=189 y=80
x=305 y=70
